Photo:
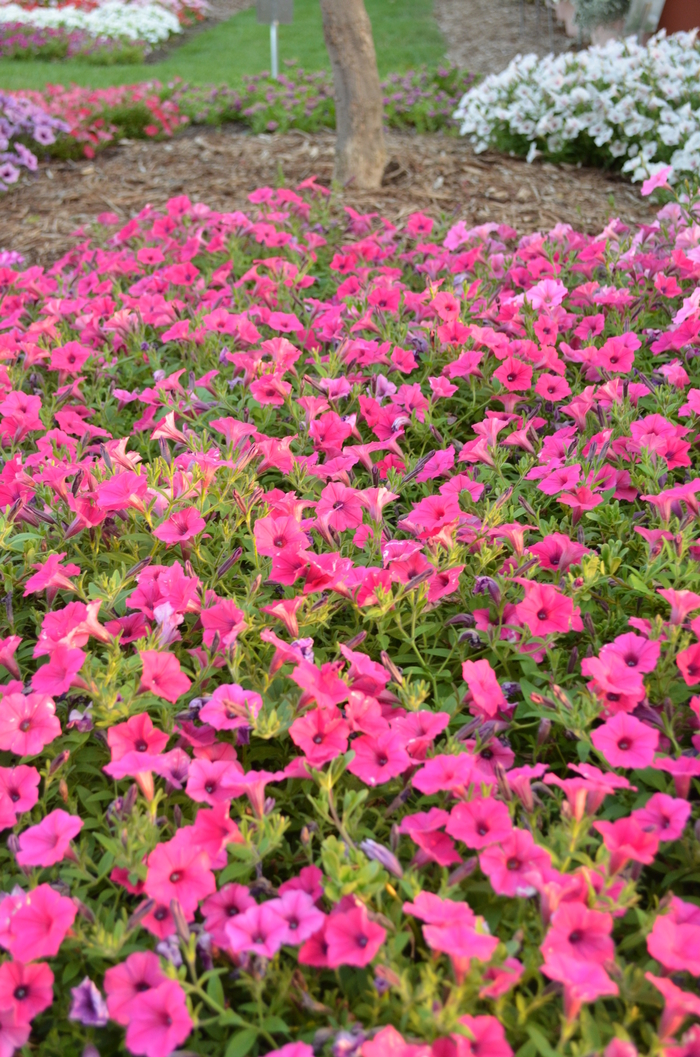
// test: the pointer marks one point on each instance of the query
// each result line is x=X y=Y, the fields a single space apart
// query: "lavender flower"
x=88 y=1006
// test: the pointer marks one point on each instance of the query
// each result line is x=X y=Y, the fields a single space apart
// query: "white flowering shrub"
x=150 y=22
x=619 y=105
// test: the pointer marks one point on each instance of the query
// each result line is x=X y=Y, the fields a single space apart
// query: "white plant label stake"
x=275 y=13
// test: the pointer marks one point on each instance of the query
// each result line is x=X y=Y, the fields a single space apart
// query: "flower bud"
x=58 y=761
x=63 y=790
x=486 y=584
x=382 y=855
x=543 y=731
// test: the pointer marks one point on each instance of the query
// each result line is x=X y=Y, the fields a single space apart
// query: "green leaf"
x=543 y=1047
x=275 y=1025
x=215 y=990
x=241 y=1043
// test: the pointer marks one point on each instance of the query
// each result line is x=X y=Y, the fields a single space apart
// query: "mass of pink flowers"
x=350 y=631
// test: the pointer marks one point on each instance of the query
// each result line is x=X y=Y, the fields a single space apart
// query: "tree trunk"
x=360 y=155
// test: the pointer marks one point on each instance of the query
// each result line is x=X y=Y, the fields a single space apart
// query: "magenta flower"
x=25 y=990
x=624 y=741
x=218 y=909
x=321 y=734
x=162 y=676
x=181 y=526
x=545 y=610
x=48 y=842
x=480 y=822
x=27 y=724
x=379 y=758
x=516 y=866
x=179 y=870
x=302 y=916
x=258 y=930
x=352 y=938
x=158 y=1021
x=54 y=678
x=139 y=973
x=38 y=923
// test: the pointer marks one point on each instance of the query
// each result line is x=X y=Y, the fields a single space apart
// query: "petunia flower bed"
x=351 y=635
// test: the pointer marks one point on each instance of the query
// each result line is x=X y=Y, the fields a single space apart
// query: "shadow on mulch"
x=437 y=174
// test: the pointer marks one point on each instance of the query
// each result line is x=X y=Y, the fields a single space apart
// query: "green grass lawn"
x=405 y=35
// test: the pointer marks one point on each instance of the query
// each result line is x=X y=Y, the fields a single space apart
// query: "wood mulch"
x=436 y=174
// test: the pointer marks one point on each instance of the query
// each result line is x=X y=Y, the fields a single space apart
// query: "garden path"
x=437 y=174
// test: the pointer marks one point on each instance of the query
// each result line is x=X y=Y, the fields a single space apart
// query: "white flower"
x=150 y=22
x=630 y=100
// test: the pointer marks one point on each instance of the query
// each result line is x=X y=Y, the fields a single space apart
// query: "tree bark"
x=360 y=155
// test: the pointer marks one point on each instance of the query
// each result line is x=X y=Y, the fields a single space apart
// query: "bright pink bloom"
x=162 y=675
x=545 y=610
x=352 y=938
x=139 y=973
x=441 y=773
x=666 y=816
x=480 y=822
x=181 y=526
x=258 y=930
x=57 y=676
x=557 y=552
x=273 y=534
x=688 y=661
x=516 y=865
x=322 y=734
x=302 y=916
x=26 y=990
x=583 y=982
x=179 y=870
x=224 y=619
x=37 y=926
x=501 y=978
x=13 y=1036
x=514 y=374
x=624 y=741
x=487 y=1037
x=230 y=707
x=579 y=933
x=379 y=758
x=674 y=939
x=637 y=652
x=47 y=843
x=658 y=179
x=461 y=941
x=19 y=784
x=158 y=1021
x=483 y=687
x=51 y=574
x=339 y=507
x=27 y=724
x=136 y=735
x=625 y=839
x=678 y=1005
x=218 y=909
x=681 y=602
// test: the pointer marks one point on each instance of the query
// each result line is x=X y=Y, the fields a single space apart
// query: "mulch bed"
x=437 y=174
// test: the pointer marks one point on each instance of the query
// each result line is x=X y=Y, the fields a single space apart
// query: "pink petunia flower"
x=162 y=676
x=302 y=916
x=20 y=786
x=483 y=687
x=48 y=842
x=516 y=865
x=231 y=707
x=379 y=758
x=258 y=930
x=579 y=933
x=218 y=909
x=158 y=1021
x=322 y=734
x=352 y=938
x=665 y=816
x=27 y=724
x=625 y=839
x=545 y=610
x=181 y=526
x=480 y=822
x=179 y=870
x=123 y=983
x=36 y=926
x=25 y=990
x=624 y=741
x=59 y=674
